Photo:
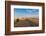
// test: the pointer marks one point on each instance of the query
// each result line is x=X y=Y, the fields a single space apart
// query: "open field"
x=26 y=22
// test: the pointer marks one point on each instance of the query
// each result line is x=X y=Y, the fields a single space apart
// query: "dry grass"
x=26 y=22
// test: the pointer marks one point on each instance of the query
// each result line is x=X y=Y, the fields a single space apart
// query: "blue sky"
x=22 y=12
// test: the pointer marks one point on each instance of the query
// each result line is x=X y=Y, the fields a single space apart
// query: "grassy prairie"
x=26 y=22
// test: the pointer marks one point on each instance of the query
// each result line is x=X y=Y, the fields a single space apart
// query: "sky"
x=22 y=12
